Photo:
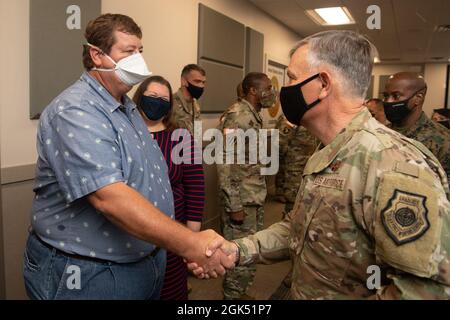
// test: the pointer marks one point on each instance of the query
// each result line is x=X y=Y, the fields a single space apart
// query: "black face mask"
x=194 y=91
x=398 y=111
x=155 y=108
x=293 y=102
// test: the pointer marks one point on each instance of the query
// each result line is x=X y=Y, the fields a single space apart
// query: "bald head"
x=412 y=81
x=404 y=85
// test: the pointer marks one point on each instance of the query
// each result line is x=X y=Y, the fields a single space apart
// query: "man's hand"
x=218 y=247
x=205 y=256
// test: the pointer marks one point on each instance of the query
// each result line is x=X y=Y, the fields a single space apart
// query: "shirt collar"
x=322 y=158
x=111 y=103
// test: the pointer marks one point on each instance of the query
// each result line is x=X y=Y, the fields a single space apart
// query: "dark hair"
x=192 y=67
x=376 y=100
x=252 y=80
x=137 y=98
x=100 y=33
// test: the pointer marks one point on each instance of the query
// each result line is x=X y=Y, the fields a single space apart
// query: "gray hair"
x=348 y=53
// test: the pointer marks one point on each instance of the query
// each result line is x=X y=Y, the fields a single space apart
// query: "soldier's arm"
x=445 y=160
x=411 y=229
x=230 y=187
x=267 y=246
x=181 y=118
x=230 y=176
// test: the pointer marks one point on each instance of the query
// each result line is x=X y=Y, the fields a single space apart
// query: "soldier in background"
x=442 y=116
x=404 y=97
x=285 y=131
x=186 y=109
x=301 y=147
x=376 y=109
x=242 y=188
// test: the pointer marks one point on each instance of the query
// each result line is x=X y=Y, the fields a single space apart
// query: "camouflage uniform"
x=433 y=136
x=185 y=113
x=241 y=188
x=285 y=131
x=372 y=198
x=301 y=146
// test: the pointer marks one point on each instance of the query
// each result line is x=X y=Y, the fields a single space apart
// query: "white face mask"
x=130 y=70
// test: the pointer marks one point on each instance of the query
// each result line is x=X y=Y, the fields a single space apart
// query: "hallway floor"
x=267 y=279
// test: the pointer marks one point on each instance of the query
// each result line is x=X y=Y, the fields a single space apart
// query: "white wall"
x=435 y=76
x=17 y=131
x=170 y=41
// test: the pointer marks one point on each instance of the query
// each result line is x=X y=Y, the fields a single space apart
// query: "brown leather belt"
x=85 y=258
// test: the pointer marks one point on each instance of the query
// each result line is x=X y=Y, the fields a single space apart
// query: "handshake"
x=215 y=257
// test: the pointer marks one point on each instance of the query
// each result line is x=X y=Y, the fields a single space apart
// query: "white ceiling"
x=407 y=32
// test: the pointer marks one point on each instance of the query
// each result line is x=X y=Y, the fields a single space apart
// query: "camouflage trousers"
x=236 y=282
x=280 y=180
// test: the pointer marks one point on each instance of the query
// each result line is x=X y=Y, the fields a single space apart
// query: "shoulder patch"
x=405 y=217
x=408 y=169
x=408 y=223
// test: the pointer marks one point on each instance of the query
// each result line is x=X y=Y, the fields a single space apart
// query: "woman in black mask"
x=154 y=101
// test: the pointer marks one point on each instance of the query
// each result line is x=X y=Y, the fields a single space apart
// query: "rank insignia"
x=405 y=217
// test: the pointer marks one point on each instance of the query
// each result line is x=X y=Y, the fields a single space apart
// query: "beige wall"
x=436 y=77
x=17 y=131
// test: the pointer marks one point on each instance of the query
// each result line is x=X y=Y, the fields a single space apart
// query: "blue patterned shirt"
x=86 y=141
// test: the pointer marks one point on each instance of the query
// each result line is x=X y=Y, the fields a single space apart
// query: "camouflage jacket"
x=371 y=200
x=302 y=145
x=241 y=184
x=285 y=131
x=434 y=136
x=185 y=113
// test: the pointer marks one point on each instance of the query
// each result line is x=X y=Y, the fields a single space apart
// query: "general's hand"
x=211 y=263
x=216 y=247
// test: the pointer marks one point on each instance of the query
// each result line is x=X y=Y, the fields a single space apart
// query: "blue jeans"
x=50 y=275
